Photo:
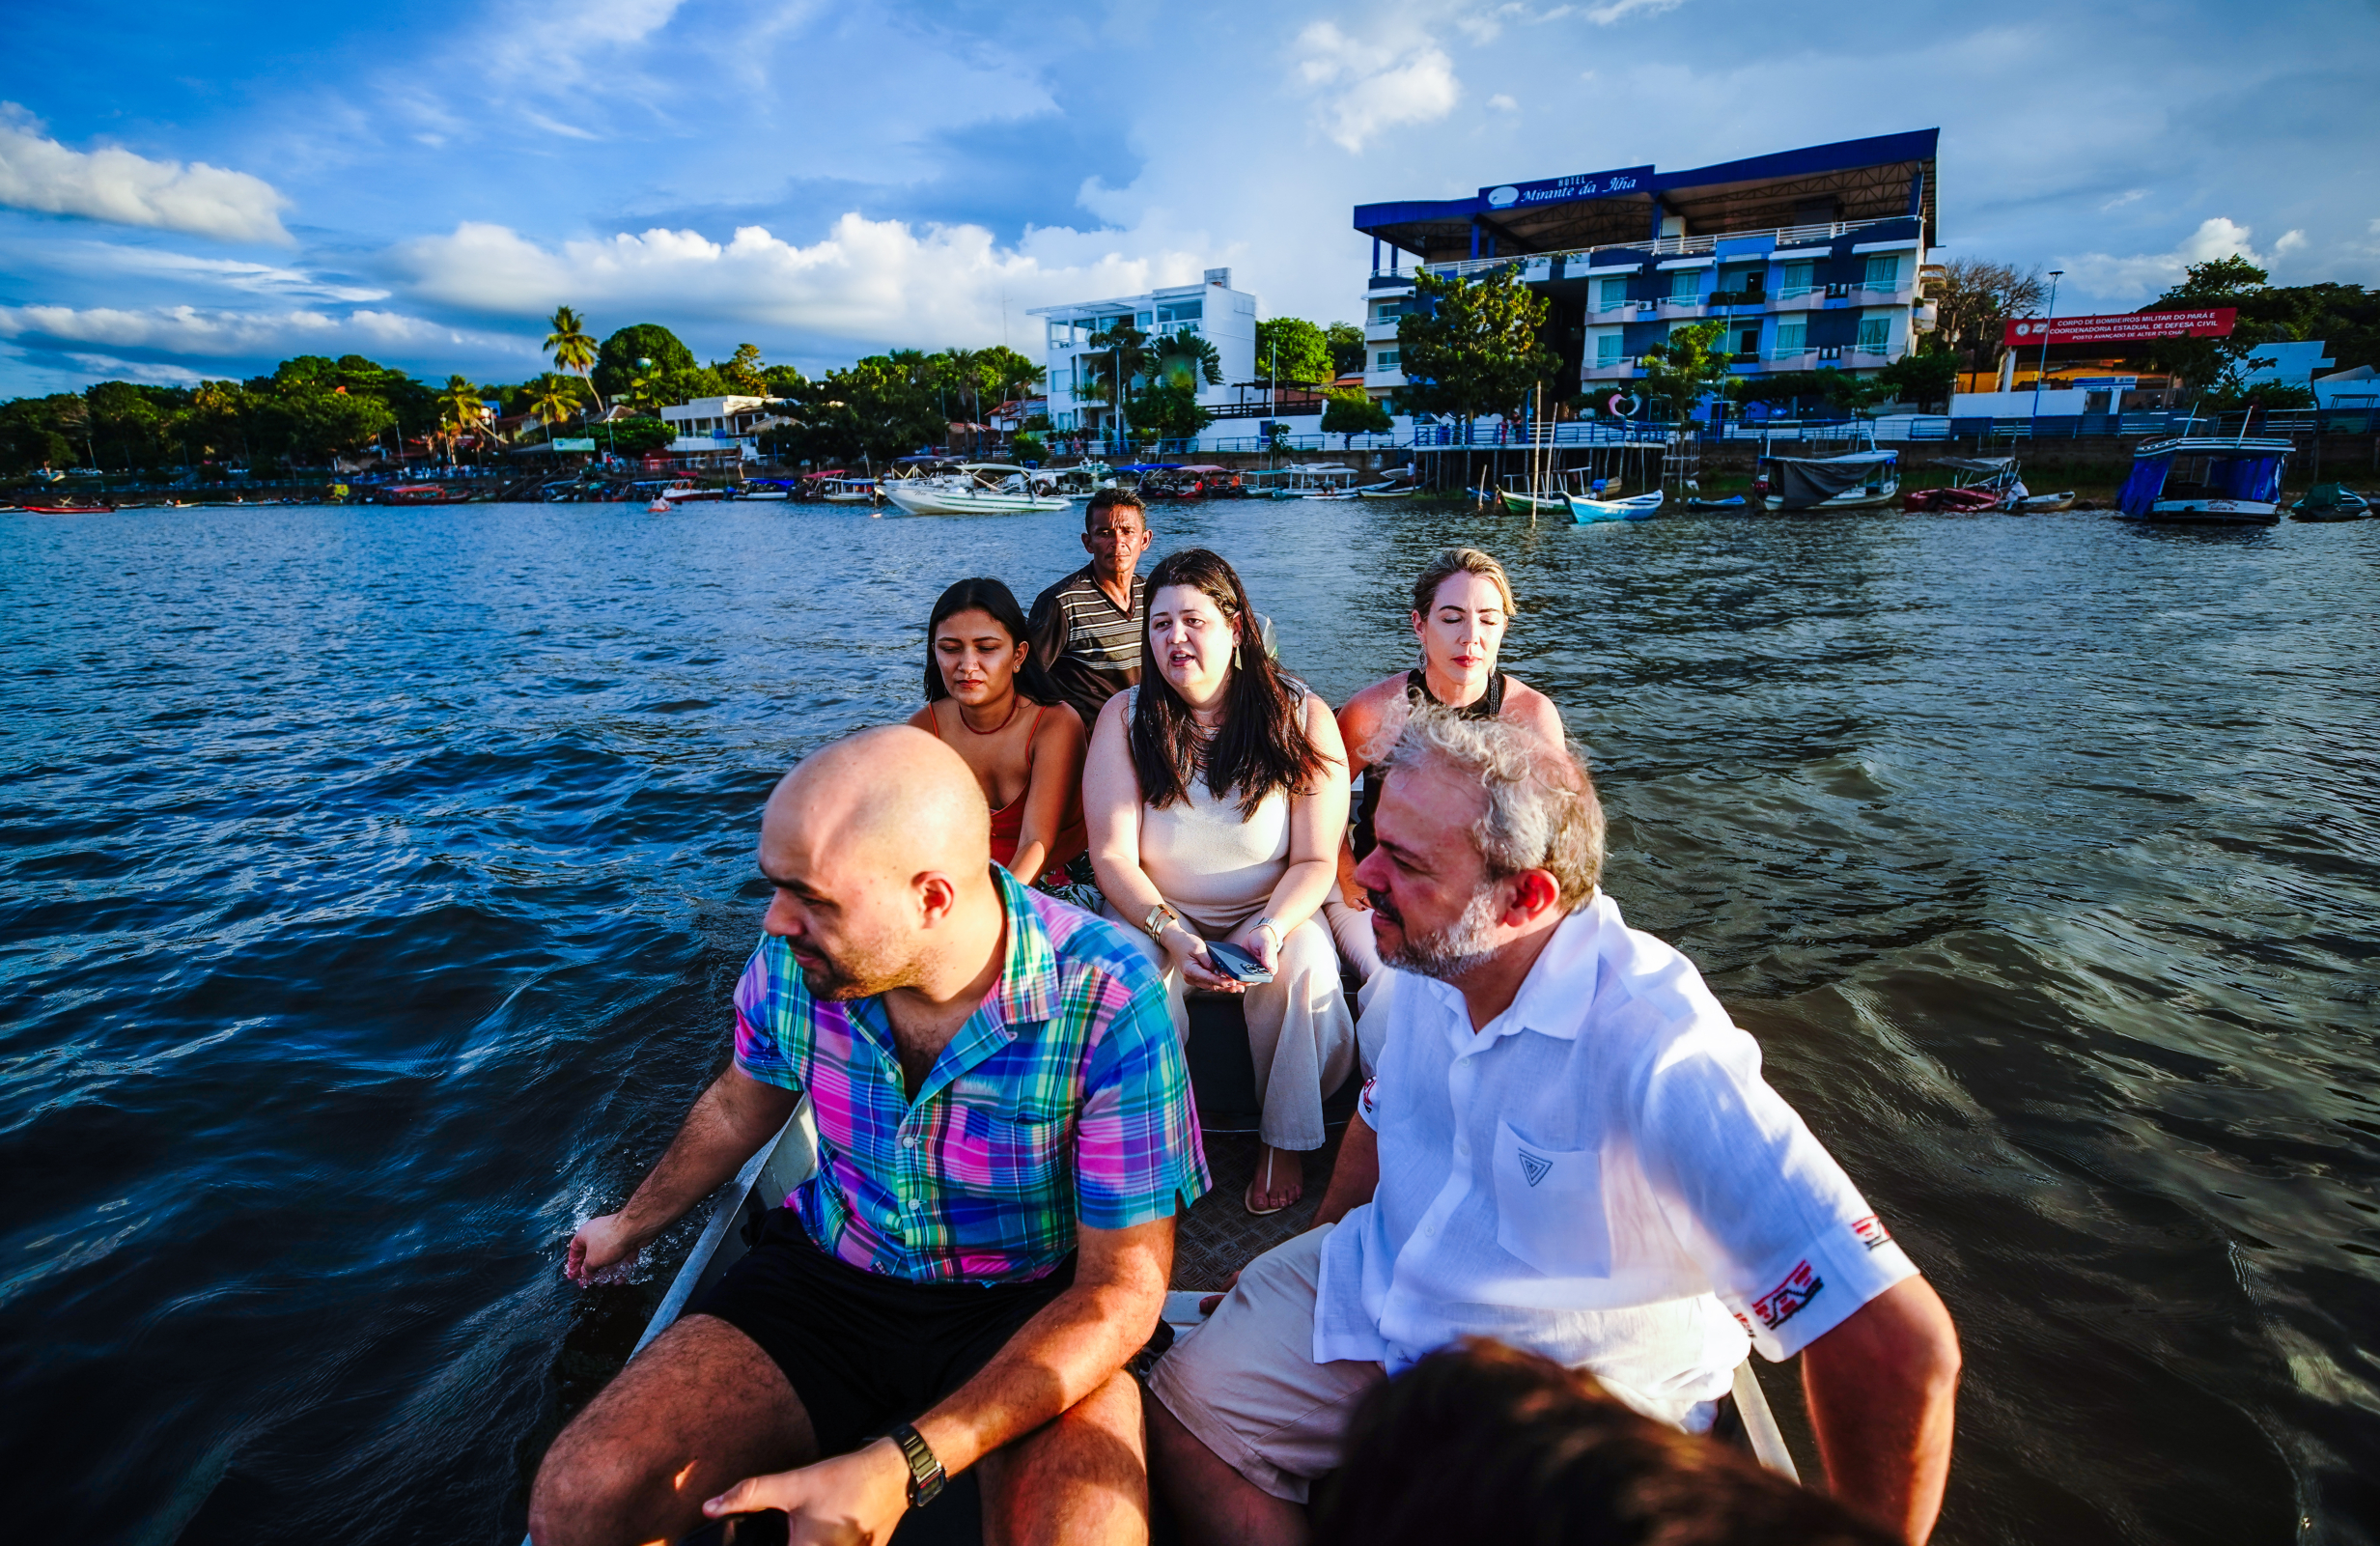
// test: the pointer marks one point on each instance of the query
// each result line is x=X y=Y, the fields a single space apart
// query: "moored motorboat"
x=1855 y=480
x=68 y=510
x=973 y=488
x=1734 y=501
x=2233 y=482
x=1637 y=507
x=2042 y=504
x=2331 y=501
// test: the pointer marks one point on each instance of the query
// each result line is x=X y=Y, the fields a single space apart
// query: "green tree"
x=460 y=411
x=554 y=399
x=616 y=359
x=877 y=408
x=571 y=348
x=2214 y=362
x=1473 y=347
x=1293 y=350
x=1923 y=379
x=1185 y=359
x=744 y=374
x=1169 y=412
x=1011 y=375
x=1682 y=371
x=781 y=380
x=1348 y=348
x=1353 y=413
x=635 y=437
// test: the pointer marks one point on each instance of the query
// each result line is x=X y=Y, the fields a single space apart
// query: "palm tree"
x=460 y=409
x=1182 y=357
x=572 y=348
x=1124 y=355
x=552 y=399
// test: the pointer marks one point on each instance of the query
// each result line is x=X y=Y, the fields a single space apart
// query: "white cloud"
x=228 y=334
x=1604 y=15
x=1367 y=84
x=38 y=173
x=1504 y=102
x=2130 y=196
x=115 y=260
x=873 y=282
x=2143 y=276
x=2290 y=242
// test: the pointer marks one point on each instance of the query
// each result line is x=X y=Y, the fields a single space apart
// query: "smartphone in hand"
x=1238 y=964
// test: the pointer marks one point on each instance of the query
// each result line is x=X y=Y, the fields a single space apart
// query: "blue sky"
x=200 y=190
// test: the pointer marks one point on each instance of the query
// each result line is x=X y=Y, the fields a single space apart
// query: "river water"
x=373 y=882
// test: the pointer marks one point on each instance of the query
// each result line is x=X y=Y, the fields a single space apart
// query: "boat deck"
x=1218 y=1236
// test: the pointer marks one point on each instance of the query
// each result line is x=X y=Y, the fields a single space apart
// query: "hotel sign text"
x=1562 y=189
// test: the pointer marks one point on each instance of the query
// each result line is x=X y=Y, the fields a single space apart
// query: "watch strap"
x=925 y=1471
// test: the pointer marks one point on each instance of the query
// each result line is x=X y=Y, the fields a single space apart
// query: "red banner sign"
x=2126 y=327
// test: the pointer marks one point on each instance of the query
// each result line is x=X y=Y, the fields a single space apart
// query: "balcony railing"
x=1669 y=246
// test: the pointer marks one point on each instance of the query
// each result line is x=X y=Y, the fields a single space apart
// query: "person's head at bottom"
x=1480 y=1442
x=880 y=849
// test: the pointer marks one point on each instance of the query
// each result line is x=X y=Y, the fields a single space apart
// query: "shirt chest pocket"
x=1006 y=1149
x=1549 y=1207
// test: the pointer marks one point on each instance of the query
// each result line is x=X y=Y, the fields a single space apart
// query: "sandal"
x=1247 y=1199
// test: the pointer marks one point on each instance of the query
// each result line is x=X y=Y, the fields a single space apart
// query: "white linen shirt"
x=1599 y=1174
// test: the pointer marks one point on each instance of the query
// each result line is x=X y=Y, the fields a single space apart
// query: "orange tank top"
x=1008 y=821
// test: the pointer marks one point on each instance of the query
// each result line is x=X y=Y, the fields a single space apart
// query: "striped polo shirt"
x=1091 y=650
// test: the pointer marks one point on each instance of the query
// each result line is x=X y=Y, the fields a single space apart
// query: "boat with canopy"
x=1855 y=480
x=2223 y=482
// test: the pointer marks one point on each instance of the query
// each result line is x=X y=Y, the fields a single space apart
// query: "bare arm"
x=1317 y=832
x=1076 y=1344
x=729 y=1123
x=1882 y=1389
x=1056 y=783
x=1111 y=812
x=1356 y=1177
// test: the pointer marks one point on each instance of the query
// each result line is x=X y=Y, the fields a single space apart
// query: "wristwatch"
x=1154 y=925
x=925 y=1473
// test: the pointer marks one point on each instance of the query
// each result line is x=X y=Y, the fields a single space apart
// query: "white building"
x=1224 y=317
x=718 y=427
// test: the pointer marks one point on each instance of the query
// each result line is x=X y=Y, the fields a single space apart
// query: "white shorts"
x=1246 y=1383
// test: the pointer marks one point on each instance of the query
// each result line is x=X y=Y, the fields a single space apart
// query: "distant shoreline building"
x=1812 y=259
x=1224 y=317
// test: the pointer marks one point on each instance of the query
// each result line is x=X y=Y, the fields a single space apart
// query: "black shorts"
x=864 y=1352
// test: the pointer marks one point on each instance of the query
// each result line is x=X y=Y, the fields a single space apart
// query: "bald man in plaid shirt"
x=1006 y=1136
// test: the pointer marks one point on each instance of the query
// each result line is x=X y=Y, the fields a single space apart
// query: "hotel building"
x=1224 y=317
x=1812 y=259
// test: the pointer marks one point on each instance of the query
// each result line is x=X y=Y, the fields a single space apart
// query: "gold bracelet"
x=1154 y=929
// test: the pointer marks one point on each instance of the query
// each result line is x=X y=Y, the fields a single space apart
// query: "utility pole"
x=2043 y=369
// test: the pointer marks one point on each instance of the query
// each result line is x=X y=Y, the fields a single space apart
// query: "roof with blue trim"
x=1883 y=176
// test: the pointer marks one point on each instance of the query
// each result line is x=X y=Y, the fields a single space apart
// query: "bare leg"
x=691 y=1416
x=1215 y=1504
x=1084 y=1477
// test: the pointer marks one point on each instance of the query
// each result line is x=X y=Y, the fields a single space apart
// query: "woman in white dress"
x=1216 y=795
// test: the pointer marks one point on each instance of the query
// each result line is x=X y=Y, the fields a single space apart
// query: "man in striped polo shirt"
x=1086 y=628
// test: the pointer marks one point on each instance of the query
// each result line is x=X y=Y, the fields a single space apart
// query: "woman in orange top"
x=1024 y=746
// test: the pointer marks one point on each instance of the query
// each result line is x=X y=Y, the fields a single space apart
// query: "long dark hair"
x=1260 y=746
x=986 y=595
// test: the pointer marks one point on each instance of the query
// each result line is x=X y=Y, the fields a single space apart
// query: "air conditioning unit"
x=1839 y=292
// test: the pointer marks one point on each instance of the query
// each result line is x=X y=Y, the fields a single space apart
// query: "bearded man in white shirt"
x=1566 y=1145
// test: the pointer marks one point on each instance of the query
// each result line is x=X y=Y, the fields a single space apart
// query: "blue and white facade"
x=1811 y=259
x=1226 y=317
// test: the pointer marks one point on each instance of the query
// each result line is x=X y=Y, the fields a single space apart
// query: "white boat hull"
x=1588 y=512
x=2214 y=513
x=971 y=502
x=1856 y=500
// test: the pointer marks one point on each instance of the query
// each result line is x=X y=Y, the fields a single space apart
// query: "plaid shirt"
x=1063 y=1100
